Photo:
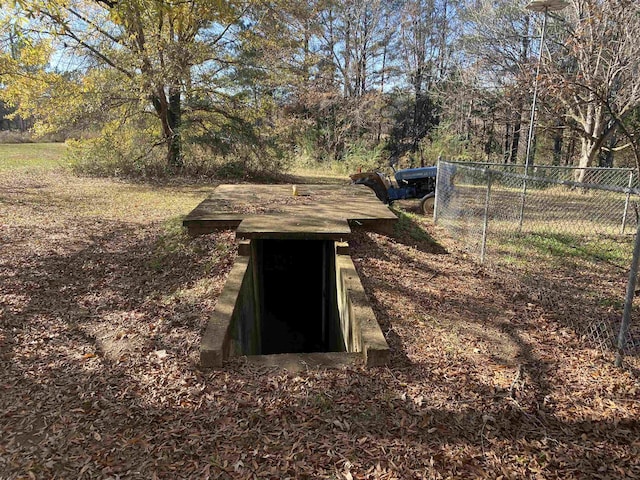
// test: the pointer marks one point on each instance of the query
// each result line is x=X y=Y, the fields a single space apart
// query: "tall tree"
x=424 y=46
x=353 y=62
x=498 y=40
x=597 y=83
x=151 y=47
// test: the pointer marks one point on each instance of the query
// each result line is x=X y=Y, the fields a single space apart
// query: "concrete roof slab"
x=317 y=211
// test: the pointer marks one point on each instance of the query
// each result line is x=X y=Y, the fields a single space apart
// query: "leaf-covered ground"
x=103 y=300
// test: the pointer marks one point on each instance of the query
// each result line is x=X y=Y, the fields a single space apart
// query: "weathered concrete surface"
x=300 y=361
x=216 y=339
x=200 y=221
x=230 y=330
x=342 y=248
x=244 y=248
x=360 y=328
x=298 y=226
x=316 y=208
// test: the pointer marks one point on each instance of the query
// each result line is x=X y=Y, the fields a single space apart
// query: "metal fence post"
x=436 y=204
x=626 y=202
x=628 y=300
x=485 y=221
x=524 y=195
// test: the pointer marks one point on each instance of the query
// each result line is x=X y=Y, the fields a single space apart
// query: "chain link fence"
x=568 y=232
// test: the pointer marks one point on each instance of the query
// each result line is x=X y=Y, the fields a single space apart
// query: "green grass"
x=564 y=247
x=319 y=175
x=22 y=156
x=409 y=224
x=410 y=230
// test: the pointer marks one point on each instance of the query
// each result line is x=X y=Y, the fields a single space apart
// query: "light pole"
x=545 y=6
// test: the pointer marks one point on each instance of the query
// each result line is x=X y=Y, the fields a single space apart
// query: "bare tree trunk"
x=468 y=121
x=169 y=112
x=592 y=141
x=557 y=142
x=517 y=130
x=442 y=48
x=606 y=156
x=589 y=151
x=490 y=138
x=568 y=158
x=382 y=79
x=347 y=60
x=174 y=154
x=507 y=143
x=517 y=124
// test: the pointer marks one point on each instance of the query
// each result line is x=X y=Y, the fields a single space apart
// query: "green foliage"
x=223 y=88
x=120 y=151
x=360 y=157
x=238 y=143
x=144 y=59
x=413 y=118
x=134 y=149
x=241 y=162
x=443 y=142
x=13 y=136
x=357 y=157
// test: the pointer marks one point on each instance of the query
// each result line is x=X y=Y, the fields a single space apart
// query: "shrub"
x=121 y=153
x=137 y=153
x=441 y=142
x=359 y=156
x=15 y=136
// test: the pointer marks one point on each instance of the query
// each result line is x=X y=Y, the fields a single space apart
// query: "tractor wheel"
x=427 y=203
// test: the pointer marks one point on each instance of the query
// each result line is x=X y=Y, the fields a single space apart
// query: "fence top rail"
x=568 y=183
x=550 y=167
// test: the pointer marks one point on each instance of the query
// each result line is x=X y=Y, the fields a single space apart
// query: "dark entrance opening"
x=297 y=296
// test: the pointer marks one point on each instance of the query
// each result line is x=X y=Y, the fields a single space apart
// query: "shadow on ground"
x=99 y=332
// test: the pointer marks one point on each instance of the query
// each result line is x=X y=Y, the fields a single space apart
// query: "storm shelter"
x=293 y=294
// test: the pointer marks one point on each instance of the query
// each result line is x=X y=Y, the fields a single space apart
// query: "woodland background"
x=203 y=87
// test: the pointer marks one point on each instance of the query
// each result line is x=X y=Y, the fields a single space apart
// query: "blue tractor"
x=418 y=183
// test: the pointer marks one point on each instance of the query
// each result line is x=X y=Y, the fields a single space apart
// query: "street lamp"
x=544 y=6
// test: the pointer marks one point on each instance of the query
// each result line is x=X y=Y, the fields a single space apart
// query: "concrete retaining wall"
x=234 y=327
x=230 y=315
x=360 y=328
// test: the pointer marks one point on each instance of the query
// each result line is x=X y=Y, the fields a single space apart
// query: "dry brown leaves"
x=100 y=320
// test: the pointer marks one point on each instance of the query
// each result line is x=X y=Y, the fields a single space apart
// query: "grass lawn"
x=31 y=155
x=317 y=176
x=103 y=299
